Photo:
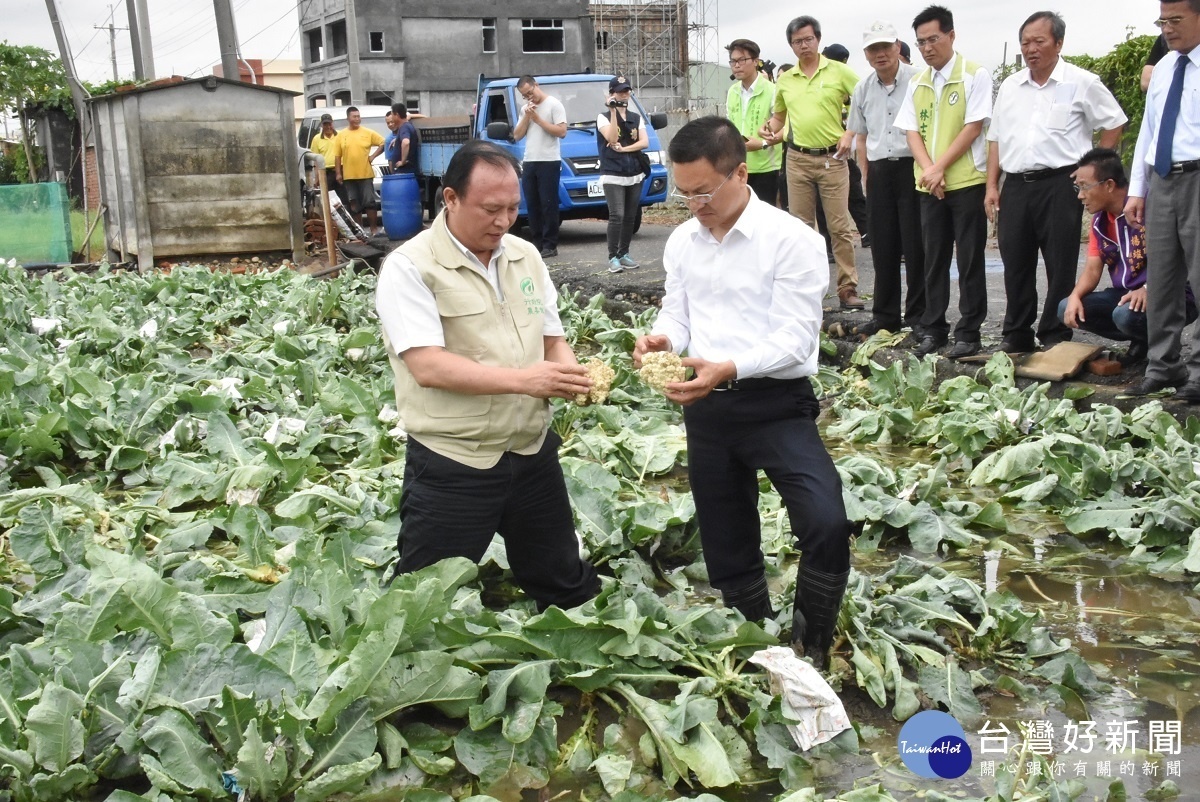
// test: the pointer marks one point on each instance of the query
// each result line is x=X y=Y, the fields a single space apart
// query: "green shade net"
x=35 y=223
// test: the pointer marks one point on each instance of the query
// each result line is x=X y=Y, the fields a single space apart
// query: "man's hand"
x=530 y=110
x=843 y=145
x=1135 y=210
x=1135 y=298
x=765 y=133
x=991 y=202
x=1073 y=314
x=934 y=177
x=647 y=343
x=707 y=376
x=556 y=380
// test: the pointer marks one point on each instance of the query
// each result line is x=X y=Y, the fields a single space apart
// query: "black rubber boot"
x=815 y=613
x=752 y=600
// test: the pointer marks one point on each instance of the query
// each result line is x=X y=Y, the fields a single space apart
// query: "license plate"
x=595 y=189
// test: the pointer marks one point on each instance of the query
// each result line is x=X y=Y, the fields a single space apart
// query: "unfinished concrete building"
x=430 y=55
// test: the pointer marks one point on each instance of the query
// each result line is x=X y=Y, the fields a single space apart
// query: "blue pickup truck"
x=496 y=113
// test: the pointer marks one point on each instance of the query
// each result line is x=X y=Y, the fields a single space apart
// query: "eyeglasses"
x=807 y=40
x=1172 y=21
x=733 y=62
x=1085 y=187
x=931 y=41
x=704 y=198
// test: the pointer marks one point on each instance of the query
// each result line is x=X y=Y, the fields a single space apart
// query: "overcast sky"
x=185 y=41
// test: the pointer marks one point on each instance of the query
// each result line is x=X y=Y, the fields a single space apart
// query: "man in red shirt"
x=1119 y=312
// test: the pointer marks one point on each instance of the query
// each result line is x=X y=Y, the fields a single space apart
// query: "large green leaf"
x=424 y=678
x=183 y=754
x=54 y=728
x=515 y=695
x=262 y=769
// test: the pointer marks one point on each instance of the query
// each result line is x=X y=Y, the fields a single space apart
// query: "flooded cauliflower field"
x=199 y=518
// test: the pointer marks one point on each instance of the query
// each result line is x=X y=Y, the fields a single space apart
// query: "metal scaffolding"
x=647 y=41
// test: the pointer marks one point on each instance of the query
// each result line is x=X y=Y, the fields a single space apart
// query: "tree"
x=28 y=75
x=1121 y=71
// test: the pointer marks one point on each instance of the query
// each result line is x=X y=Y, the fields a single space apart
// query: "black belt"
x=1185 y=167
x=816 y=151
x=890 y=159
x=1041 y=175
x=759 y=383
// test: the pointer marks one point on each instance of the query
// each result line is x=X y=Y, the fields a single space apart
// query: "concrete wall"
x=435 y=51
x=190 y=171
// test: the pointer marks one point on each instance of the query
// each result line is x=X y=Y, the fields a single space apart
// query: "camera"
x=617 y=104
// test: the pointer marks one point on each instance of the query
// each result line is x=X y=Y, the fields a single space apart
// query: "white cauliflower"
x=660 y=368
x=602 y=378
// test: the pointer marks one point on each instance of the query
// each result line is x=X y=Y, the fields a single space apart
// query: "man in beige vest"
x=470 y=320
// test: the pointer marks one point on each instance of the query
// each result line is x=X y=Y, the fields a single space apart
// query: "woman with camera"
x=622 y=141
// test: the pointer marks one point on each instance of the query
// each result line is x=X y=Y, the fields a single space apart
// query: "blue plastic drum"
x=401 y=198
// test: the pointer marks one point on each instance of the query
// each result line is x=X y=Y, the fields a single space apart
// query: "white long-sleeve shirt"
x=754 y=297
x=1186 y=144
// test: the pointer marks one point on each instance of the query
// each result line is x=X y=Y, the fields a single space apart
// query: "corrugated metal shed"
x=194 y=167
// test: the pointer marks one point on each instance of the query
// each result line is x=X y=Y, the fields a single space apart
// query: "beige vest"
x=477 y=429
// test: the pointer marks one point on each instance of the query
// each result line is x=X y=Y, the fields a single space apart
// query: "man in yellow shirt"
x=324 y=142
x=810 y=99
x=354 y=171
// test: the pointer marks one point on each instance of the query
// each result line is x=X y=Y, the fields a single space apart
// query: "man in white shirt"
x=743 y=298
x=894 y=218
x=1164 y=194
x=470 y=321
x=544 y=121
x=1042 y=122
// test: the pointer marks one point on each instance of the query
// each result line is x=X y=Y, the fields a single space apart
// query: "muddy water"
x=1139 y=634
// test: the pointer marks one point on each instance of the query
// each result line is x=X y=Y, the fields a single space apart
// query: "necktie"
x=1166 y=126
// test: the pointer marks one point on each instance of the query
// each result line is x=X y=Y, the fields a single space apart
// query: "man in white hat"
x=894 y=211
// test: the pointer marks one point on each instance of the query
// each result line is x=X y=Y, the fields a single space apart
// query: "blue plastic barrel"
x=401 y=205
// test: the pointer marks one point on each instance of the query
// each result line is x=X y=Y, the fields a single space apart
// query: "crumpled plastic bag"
x=805 y=696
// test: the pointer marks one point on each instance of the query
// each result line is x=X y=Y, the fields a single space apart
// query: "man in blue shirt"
x=401 y=148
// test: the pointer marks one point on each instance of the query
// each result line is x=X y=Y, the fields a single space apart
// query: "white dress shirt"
x=979 y=105
x=754 y=297
x=873 y=111
x=408 y=310
x=1186 y=144
x=1043 y=127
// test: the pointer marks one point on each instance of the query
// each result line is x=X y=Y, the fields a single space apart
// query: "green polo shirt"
x=814 y=105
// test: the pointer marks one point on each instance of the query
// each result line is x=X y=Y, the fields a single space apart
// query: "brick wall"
x=93 y=180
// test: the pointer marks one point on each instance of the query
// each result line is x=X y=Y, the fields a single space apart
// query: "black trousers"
x=1038 y=215
x=733 y=433
x=895 y=227
x=955 y=228
x=539 y=180
x=765 y=186
x=622 y=216
x=783 y=188
x=448 y=509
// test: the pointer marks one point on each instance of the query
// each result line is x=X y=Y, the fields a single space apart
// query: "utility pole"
x=227 y=37
x=112 y=38
x=78 y=93
x=139 y=38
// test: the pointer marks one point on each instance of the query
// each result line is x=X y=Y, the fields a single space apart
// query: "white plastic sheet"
x=805 y=696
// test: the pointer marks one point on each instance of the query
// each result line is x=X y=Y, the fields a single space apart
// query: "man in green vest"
x=945 y=112
x=470 y=321
x=748 y=105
